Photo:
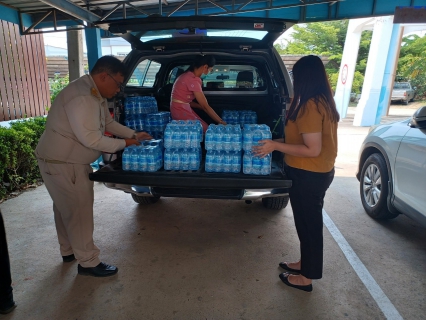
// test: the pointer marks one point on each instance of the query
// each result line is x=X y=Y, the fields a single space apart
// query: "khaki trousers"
x=72 y=194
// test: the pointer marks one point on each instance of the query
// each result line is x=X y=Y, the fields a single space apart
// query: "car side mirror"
x=415 y=88
x=419 y=119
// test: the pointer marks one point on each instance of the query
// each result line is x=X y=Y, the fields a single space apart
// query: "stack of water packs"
x=252 y=134
x=241 y=117
x=223 y=145
x=141 y=114
x=182 y=140
x=147 y=157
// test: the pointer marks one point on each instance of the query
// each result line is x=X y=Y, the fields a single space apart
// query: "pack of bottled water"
x=136 y=109
x=143 y=158
x=226 y=138
x=253 y=133
x=136 y=105
x=256 y=165
x=182 y=158
x=223 y=161
x=183 y=134
x=155 y=123
x=240 y=117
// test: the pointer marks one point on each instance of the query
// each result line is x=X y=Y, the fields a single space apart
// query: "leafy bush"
x=56 y=85
x=18 y=165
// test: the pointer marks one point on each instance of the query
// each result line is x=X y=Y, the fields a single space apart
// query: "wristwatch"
x=134 y=136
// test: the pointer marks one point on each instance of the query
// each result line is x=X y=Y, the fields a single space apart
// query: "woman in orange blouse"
x=310 y=150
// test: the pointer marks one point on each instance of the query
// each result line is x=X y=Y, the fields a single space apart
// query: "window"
x=144 y=74
x=226 y=77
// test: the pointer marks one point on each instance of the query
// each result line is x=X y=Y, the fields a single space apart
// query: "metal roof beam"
x=73 y=10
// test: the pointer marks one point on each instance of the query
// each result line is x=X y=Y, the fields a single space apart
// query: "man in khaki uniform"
x=74 y=138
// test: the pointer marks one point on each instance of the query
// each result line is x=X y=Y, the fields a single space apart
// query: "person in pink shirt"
x=188 y=87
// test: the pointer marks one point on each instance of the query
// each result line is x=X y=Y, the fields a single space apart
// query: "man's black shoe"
x=69 y=258
x=101 y=270
x=8 y=307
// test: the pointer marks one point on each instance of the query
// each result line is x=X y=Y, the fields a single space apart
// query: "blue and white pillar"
x=368 y=105
x=348 y=63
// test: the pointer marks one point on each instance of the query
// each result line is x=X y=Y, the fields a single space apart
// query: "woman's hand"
x=142 y=136
x=222 y=122
x=265 y=147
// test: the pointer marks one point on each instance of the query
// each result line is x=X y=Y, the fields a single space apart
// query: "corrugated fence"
x=24 y=87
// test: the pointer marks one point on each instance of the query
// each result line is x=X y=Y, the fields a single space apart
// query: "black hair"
x=201 y=60
x=310 y=81
x=110 y=65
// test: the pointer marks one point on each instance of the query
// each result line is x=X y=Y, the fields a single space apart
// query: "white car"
x=392 y=169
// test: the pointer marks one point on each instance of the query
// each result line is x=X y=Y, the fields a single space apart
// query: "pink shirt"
x=182 y=94
x=185 y=86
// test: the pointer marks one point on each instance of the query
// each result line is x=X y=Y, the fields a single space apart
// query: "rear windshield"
x=225 y=77
x=175 y=33
x=401 y=85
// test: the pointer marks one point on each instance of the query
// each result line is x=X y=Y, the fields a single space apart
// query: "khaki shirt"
x=76 y=124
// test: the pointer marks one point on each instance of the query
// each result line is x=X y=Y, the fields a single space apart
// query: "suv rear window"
x=226 y=77
x=144 y=74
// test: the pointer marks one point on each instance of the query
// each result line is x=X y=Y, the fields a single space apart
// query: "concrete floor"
x=217 y=259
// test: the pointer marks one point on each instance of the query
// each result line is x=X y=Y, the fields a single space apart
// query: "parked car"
x=392 y=169
x=162 y=49
x=404 y=92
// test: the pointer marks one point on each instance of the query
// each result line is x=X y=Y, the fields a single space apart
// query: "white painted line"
x=377 y=293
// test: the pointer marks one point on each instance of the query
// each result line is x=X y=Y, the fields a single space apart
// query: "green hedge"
x=18 y=165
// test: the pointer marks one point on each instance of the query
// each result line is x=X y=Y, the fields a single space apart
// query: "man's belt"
x=53 y=161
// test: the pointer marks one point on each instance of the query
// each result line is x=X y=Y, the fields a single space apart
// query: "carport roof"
x=54 y=13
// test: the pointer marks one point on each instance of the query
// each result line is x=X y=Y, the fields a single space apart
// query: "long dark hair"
x=200 y=61
x=310 y=82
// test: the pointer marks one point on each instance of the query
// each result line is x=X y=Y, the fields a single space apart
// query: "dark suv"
x=249 y=75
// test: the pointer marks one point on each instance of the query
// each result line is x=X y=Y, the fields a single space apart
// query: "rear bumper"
x=195 y=184
x=238 y=194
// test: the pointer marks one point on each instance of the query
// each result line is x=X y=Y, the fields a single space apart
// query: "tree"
x=328 y=39
x=412 y=62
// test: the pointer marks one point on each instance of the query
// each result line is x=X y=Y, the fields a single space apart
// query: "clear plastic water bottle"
x=142 y=158
x=210 y=143
x=266 y=165
x=134 y=162
x=226 y=141
x=247 y=138
x=193 y=163
x=175 y=159
x=257 y=136
x=176 y=136
x=257 y=165
x=218 y=137
x=247 y=162
x=167 y=159
x=168 y=142
x=226 y=161
x=126 y=159
x=209 y=161
x=184 y=159
x=236 y=162
x=150 y=159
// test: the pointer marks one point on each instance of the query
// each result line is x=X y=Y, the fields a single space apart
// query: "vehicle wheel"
x=374 y=187
x=405 y=102
x=275 y=203
x=144 y=199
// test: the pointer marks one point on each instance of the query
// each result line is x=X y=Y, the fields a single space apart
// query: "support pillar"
x=390 y=72
x=94 y=46
x=75 y=54
x=348 y=63
x=367 y=108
